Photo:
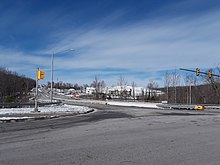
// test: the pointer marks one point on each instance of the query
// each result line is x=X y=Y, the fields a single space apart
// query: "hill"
x=14 y=87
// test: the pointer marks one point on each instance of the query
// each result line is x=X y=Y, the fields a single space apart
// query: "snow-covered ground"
x=119 y=103
x=134 y=104
x=66 y=108
x=61 y=108
x=14 y=118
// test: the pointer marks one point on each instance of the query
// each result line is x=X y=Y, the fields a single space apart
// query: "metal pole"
x=52 y=61
x=175 y=93
x=175 y=84
x=51 y=85
x=190 y=92
x=187 y=95
x=36 y=93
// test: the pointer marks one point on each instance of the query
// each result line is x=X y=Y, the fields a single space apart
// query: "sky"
x=138 y=40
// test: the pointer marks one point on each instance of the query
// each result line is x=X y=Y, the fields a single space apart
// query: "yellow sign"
x=40 y=74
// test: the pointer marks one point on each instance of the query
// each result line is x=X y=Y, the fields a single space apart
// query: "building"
x=90 y=90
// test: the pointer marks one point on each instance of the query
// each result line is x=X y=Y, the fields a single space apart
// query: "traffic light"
x=209 y=74
x=197 y=71
x=40 y=74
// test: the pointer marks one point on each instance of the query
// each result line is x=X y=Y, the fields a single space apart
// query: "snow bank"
x=14 y=118
x=134 y=104
x=61 y=108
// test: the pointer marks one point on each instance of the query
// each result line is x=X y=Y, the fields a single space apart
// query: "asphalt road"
x=114 y=135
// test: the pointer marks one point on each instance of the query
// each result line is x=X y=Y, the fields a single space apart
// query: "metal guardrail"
x=10 y=105
x=173 y=106
x=185 y=106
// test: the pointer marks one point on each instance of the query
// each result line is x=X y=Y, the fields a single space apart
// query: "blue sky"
x=138 y=40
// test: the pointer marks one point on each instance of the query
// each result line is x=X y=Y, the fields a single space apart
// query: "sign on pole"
x=40 y=75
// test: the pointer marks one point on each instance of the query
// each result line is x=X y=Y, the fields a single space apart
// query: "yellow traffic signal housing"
x=40 y=74
x=209 y=74
x=197 y=71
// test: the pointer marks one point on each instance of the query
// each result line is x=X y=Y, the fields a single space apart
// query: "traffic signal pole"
x=198 y=72
x=39 y=76
x=36 y=93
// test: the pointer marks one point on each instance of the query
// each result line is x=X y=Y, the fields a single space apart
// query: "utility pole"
x=52 y=63
x=187 y=95
x=51 y=85
x=190 y=93
x=175 y=84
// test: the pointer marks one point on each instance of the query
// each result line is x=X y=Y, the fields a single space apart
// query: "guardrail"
x=186 y=107
x=13 y=105
x=173 y=106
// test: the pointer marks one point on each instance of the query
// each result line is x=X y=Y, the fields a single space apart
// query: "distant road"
x=114 y=135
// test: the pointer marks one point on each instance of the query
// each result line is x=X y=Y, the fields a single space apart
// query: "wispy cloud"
x=146 y=46
x=139 y=49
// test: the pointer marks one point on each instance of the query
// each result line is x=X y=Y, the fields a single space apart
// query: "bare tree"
x=214 y=85
x=99 y=85
x=122 y=83
x=152 y=89
x=96 y=84
x=175 y=80
x=189 y=82
x=167 y=82
x=133 y=89
x=13 y=86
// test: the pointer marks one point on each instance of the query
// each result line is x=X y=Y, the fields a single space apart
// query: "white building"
x=90 y=90
x=132 y=91
x=128 y=91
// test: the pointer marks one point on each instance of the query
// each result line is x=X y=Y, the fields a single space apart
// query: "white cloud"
x=157 y=46
x=23 y=63
x=148 y=45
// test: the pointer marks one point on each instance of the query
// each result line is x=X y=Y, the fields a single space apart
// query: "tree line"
x=14 y=87
x=179 y=88
x=122 y=93
x=63 y=85
x=192 y=89
x=183 y=88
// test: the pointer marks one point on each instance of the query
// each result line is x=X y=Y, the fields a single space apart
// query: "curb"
x=43 y=117
x=27 y=119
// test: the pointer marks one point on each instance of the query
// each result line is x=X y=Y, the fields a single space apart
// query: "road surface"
x=114 y=135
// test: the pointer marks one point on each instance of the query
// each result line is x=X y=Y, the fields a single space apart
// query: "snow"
x=119 y=103
x=61 y=108
x=134 y=104
x=14 y=118
x=65 y=108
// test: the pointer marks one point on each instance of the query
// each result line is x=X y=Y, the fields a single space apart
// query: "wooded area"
x=14 y=87
x=196 y=89
x=178 y=88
